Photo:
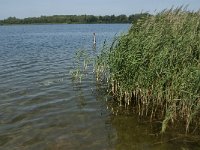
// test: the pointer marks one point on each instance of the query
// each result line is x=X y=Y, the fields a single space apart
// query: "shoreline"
x=62 y=24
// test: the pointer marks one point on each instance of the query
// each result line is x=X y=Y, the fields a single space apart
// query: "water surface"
x=40 y=106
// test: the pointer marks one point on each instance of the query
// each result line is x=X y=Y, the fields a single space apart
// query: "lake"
x=42 y=108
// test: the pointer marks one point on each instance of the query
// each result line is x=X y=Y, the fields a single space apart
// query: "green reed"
x=81 y=61
x=155 y=67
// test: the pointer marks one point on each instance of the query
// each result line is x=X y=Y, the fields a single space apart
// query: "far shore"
x=74 y=19
x=60 y=24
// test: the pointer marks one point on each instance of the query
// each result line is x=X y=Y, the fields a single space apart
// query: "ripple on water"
x=40 y=107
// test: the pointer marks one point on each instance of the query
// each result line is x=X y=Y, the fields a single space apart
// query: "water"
x=40 y=106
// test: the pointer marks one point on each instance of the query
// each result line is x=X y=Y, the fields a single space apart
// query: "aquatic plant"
x=155 y=68
x=81 y=62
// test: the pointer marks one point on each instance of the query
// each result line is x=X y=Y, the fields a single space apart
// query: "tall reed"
x=156 y=67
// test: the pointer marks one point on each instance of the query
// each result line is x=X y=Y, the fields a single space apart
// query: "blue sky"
x=30 y=8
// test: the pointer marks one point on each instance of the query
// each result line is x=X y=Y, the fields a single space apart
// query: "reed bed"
x=155 y=68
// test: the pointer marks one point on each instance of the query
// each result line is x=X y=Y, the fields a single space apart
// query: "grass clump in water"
x=82 y=60
x=156 y=67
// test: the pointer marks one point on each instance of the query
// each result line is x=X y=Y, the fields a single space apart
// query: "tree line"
x=74 y=19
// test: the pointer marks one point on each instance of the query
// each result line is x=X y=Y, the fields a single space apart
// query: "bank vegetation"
x=155 y=68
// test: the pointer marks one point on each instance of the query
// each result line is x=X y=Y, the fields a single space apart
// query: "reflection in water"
x=135 y=133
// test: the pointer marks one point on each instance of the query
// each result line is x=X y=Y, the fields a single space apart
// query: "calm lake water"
x=41 y=108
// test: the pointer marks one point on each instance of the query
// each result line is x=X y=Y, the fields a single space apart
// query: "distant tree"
x=113 y=18
x=131 y=18
x=75 y=19
x=11 y=20
x=122 y=19
x=106 y=19
x=91 y=19
x=135 y=17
